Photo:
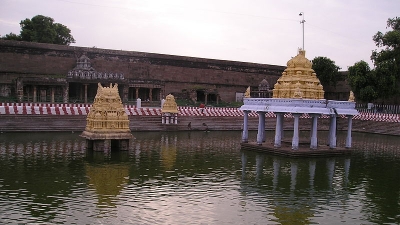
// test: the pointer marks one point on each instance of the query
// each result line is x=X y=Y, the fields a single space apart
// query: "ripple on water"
x=193 y=179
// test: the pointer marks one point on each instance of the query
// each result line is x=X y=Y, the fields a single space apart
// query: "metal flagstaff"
x=302 y=21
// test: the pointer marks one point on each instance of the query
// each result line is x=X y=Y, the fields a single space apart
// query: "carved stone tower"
x=107 y=123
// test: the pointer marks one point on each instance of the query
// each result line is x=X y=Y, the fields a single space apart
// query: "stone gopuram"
x=107 y=123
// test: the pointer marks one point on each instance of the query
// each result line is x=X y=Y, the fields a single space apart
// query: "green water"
x=194 y=178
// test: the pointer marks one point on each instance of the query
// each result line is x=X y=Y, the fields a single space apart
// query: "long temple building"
x=37 y=72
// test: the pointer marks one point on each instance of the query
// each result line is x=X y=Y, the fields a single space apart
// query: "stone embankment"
x=28 y=117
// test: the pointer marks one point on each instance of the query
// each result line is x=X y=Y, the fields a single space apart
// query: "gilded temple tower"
x=169 y=111
x=298 y=92
x=107 y=123
x=299 y=80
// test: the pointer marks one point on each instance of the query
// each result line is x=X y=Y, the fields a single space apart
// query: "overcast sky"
x=258 y=31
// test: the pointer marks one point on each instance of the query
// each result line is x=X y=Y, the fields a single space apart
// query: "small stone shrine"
x=107 y=123
x=263 y=90
x=298 y=92
x=169 y=111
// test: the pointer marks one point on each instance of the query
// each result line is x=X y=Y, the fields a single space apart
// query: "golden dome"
x=298 y=80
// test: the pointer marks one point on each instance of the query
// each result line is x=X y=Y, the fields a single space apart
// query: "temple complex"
x=107 y=123
x=298 y=92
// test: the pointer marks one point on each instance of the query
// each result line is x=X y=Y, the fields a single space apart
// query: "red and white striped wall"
x=83 y=109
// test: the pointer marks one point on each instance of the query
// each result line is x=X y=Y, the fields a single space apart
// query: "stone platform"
x=303 y=151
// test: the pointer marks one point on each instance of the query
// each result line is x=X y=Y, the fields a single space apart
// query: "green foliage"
x=362 y=81
x=326 y=70
x=384 y=80
x=11 y=36
x=387 y=59
x=184 y=102
x=42 y=29
x=387 y=80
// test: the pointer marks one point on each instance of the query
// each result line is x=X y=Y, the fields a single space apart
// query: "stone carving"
x=297 y=91
x=299 y=80
x=263 y=86
x=264 y=90
x=84 y=70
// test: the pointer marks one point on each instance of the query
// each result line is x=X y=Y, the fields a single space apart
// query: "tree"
x=11 y=36
x=387 y=60
x=362 y=81
x=326 y=70
x=42 y=29
x=384 y=80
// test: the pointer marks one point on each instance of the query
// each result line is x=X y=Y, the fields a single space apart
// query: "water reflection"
x=194 y=177
x=295 y=187
x=301 y=190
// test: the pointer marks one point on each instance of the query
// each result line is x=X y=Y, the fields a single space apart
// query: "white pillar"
x=245 y=134
x=295 y=139
x=314 y=131
x=176 y=118
x=278 y=129
x=283 y=132
x=349 y=128
x=138 y=103
x=163 y=118
x=261 y=127
x=264 y=134
x=167 y=118
x=332 y=132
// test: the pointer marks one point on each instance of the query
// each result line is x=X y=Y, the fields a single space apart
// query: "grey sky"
x=259 y=31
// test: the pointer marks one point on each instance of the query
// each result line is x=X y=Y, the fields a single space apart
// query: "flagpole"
x=302 y=22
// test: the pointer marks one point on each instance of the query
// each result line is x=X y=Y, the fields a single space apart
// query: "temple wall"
x=28 y=117
x=25 y=59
